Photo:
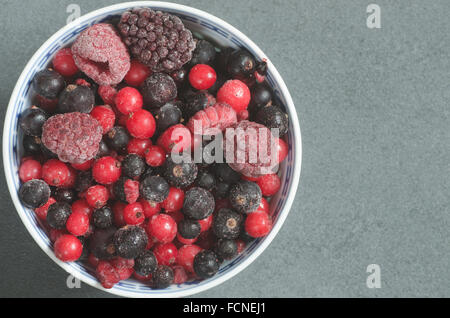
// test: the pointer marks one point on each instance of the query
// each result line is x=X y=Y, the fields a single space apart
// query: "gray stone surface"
x=373 y=108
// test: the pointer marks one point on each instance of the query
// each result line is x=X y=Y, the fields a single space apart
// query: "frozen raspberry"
x=249 y=151
x=100 y=53
x=107 y=275
x=217 y=117
x=74 y=137
x=108 y=94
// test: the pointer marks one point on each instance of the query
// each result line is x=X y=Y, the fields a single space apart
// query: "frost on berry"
x=74 y=137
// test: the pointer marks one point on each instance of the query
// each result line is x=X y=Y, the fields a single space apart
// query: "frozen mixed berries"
x=206 y=264
x=180 y=175
x=76 y=99
x=198 y=204
x=227 y=224
x=48 y=84
x=154 y=188
x=34 y=193
x=158 y=39
x=133 y=166
x=158 y=89
x=146 y=263
x=103 y=218
x=130 y=241
x=74 y=137
x=58 y=214
x=32 y=120
x=245 y=196
x=100 y=53
x=274 y=118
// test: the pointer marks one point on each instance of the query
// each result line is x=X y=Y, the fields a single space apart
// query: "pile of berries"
x=97 y=168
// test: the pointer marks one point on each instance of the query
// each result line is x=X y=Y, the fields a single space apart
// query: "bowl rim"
x=289 y=104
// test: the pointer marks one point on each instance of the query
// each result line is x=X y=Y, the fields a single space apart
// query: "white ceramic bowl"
x=210 y=27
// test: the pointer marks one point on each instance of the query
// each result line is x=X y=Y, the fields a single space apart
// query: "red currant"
x=162 y=228
x=174 y=201
x=83 y=166
x=82 y=206
x=64 y=63
x=186 y=255
x=133 y=214
x=68 y=248
x=184 y=241
x=155 y=156
x=138 y=146
x=283 y=150
x=78 y=223
x=97 y=196
x=29 y=170
x=105 y=117
x=137 y=74
x=55 y=172
x=106 y=170
x=141 y=124
x=71 y=178
x=176 y=139
x=206 y=223
x=166 y=254
x=236 y=94
x=107 y=275
x=150 y=208
x=202 y=77
x=258 y=224
x=42 y=211
x=129 y=100
x=270 y=184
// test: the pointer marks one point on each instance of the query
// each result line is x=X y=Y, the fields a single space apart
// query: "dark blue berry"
x=133 y=166
x=130 y=241
x=189 y=229
x=48 y=83
x=146 y=263
x=180 y=175
x=103 y=218
x=245 y=196
x=163 y=277
x=32 y=120
x=57 y=215
x=206 y=264
x=227 y=224
x=101 y=243
x=154 y=188
x=198 y=204
x=76 y=99
x=34 y=193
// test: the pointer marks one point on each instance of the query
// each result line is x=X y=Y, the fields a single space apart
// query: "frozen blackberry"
x=32 y=120
x=103 y=218
x=76 y=99
x=167 y=116
x=226 y=249
x=198 y=204
x=83 y=181
x=154 y=188
x=225 y=174
x=241 y=65
x=101 y=243
x=189 y=229
x=57 y=215
x=245 y=196
x=163 y=277
x=130 y=241
x=146 y=263
x=227 y=224
x=206 y=180
x=222 y=190
x=34 y=193
x=158 y=89
x=206 y=264
x=180 y=175
x=31 y=145
x=204 y=53
x=157 y=39
x=117 y=139
x=48 y=83
x=261 y=94
x=64 y=195
x=274 y=118
x=133 y=166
